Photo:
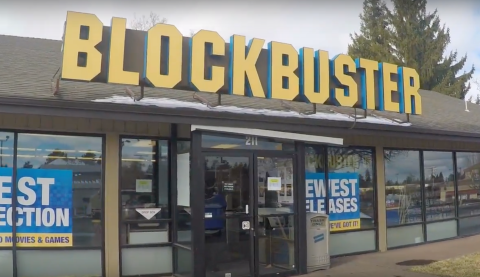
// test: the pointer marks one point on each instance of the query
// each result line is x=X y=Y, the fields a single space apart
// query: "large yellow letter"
x=282 y=81
x=314 y=75
x=346 y=94
x=367 y=70
x=156 y=36
x=387 y=87
x=215 y=78
x=116 y=74
x=74 y=45
x=243 y=63
x=409 y=83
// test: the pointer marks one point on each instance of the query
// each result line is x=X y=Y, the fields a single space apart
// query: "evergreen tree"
x=415 y=38
x=372 y=42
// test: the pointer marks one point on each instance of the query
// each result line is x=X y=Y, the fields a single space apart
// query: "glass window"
x=75 y=262
x=145 y=194
x=315 y=179
x=439 y=185
x=469 y=226
x=351 y=194
x=6 y=163
x=144 y=186
x=402 y=187
x=351 y=189
x=183 y=263
x=184 y=228
x=468 y=182
x=183 y=260
x=405 y=235
x=350 y=174
x=59 y=190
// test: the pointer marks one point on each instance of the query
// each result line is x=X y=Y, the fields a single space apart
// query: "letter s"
x=29 y=198
x=353 y=203
x=345 y=190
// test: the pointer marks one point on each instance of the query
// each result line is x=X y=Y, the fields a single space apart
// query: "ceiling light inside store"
x=137 y=160
x=225 y=146
x=59 y=150
x=46 y=135
x=28 y=149
x=143 y=143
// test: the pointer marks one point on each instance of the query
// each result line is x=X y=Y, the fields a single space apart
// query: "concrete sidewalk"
x=385 y=264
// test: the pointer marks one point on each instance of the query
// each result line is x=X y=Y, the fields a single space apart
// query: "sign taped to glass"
x=343 y=198
x=44 y=204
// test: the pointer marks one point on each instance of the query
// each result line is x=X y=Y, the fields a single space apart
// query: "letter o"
x=153 y=45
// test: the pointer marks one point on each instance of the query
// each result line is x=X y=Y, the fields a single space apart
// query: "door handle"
x=246 y=209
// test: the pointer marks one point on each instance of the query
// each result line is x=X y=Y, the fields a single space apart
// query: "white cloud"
x=323 y=25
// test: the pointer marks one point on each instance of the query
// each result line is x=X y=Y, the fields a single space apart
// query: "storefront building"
x=157 y=180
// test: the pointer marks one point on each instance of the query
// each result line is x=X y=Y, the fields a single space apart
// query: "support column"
x=112 y=248
x=381 y=205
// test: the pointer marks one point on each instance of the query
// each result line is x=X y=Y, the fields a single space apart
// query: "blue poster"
x=343 y=200
x=44 y=207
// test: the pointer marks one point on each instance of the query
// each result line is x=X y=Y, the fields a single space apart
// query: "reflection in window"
x=226 y=184
x=439 y=185
x=345 y=163
x=82 y=156
x=468 y=181
x=144 y=185
x=402 y=187
x=358 y=161
x=6 y=161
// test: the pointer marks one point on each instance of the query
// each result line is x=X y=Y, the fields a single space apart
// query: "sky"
x=318 y=24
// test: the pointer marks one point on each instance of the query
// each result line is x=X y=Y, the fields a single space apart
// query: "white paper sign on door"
x=274 y=183
x=148 y=213
x=143 y=185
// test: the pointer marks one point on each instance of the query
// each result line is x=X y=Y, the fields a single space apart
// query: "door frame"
x=276 y=154
x=252 y=156
x=250 y=214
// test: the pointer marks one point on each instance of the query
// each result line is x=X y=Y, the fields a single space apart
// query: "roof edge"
x=88 y=109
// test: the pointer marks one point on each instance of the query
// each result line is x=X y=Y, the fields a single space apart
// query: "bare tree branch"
x=144 y=23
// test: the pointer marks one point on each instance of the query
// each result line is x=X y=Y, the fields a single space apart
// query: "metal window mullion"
x=422 y=195
x=172 y=203
x=14 y=206
x=327 y=187
x=301 y=218
x=456 y=202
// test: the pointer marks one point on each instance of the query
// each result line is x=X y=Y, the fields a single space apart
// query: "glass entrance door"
x=275 y=214
x=229 y=246
x=249 y=214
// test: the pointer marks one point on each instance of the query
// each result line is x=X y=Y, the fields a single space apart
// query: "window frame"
x=422 y=185
x=424 y=222
x=14 y=247
x=155 y=180
x=172 y=187
x=325 y=148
